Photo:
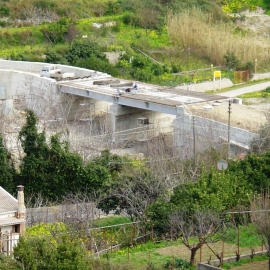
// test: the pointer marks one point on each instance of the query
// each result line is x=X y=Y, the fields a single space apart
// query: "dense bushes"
x=7 y=169
x=50 y=168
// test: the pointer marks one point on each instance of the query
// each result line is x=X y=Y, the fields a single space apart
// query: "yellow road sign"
x=217 y=74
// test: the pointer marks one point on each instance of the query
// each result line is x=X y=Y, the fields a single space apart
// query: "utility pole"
x=194 y=142
x=229 y=129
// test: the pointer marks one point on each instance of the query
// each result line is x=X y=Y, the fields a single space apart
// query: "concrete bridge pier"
x=138 y=124
x=183 y=134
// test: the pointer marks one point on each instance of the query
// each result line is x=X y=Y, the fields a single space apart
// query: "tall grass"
x=198 y=33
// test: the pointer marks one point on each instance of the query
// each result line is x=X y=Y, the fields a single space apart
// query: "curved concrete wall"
x=35 y=67
x=21 y=80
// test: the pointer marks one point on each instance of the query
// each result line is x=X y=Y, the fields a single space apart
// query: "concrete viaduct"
x=162 y=108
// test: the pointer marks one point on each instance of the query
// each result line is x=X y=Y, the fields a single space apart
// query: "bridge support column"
x=183 y=136
x=124 y=118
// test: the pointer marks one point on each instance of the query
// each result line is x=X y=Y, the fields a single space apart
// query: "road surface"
x=246 y=89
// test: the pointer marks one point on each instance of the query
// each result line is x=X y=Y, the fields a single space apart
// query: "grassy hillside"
x=160 y=37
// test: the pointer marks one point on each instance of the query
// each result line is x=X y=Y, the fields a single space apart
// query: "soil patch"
x=250 y=117
x=206 y=253
x=262 y=265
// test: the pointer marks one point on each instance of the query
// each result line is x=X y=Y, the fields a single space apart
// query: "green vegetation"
x=245 y=261
x=247 y=236
x=51 y=169
x=139 y=28
x=145 y=255
x=49 y=244
x=110 y=221
x=155 y=46
x=258 y=94
x=7 y=169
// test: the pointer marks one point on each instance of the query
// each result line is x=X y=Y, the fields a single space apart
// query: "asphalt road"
x=244 y=90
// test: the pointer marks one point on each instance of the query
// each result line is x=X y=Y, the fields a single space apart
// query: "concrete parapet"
x=204 y=266
x=214 y=264
x=35 y=67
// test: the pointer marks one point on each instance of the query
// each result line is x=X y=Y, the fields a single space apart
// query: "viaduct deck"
x=149 y=97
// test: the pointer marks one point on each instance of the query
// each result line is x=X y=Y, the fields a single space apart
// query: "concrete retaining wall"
x=209 y=133
x=35 y=67
x=214 y=264
x=32 y=91
x=204 y=266
x=37 y=93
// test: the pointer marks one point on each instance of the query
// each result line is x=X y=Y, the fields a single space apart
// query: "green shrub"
x=56 y=58
x=231 y=60
x=177 y=264
x=4 y=11
x=97 y=64
x=128 y=18
x=267 y=89
x=84 y=49
x=3 y=23
x=44 y=4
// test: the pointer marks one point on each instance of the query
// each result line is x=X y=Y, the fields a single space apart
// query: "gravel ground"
x=250 y=117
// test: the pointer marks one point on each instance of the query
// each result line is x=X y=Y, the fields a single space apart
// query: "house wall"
x=9 y=240
x=7 y=214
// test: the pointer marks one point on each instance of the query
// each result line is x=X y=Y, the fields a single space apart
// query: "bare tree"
x=36 y=206
x=134 y=190
x=262 y=143
x=260 y=217
x=72 y=33
x=202 y=225
x=79 y=210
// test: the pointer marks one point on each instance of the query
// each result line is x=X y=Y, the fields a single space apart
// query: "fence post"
x=131 y=235
x=128 y=254
x=171 y=234
x=144 y=232
x=222 y=253
x=201 y=251
x=91 y=243
x=111 y=239
x=152 y=232
x=105 y=237
x=238 y=244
